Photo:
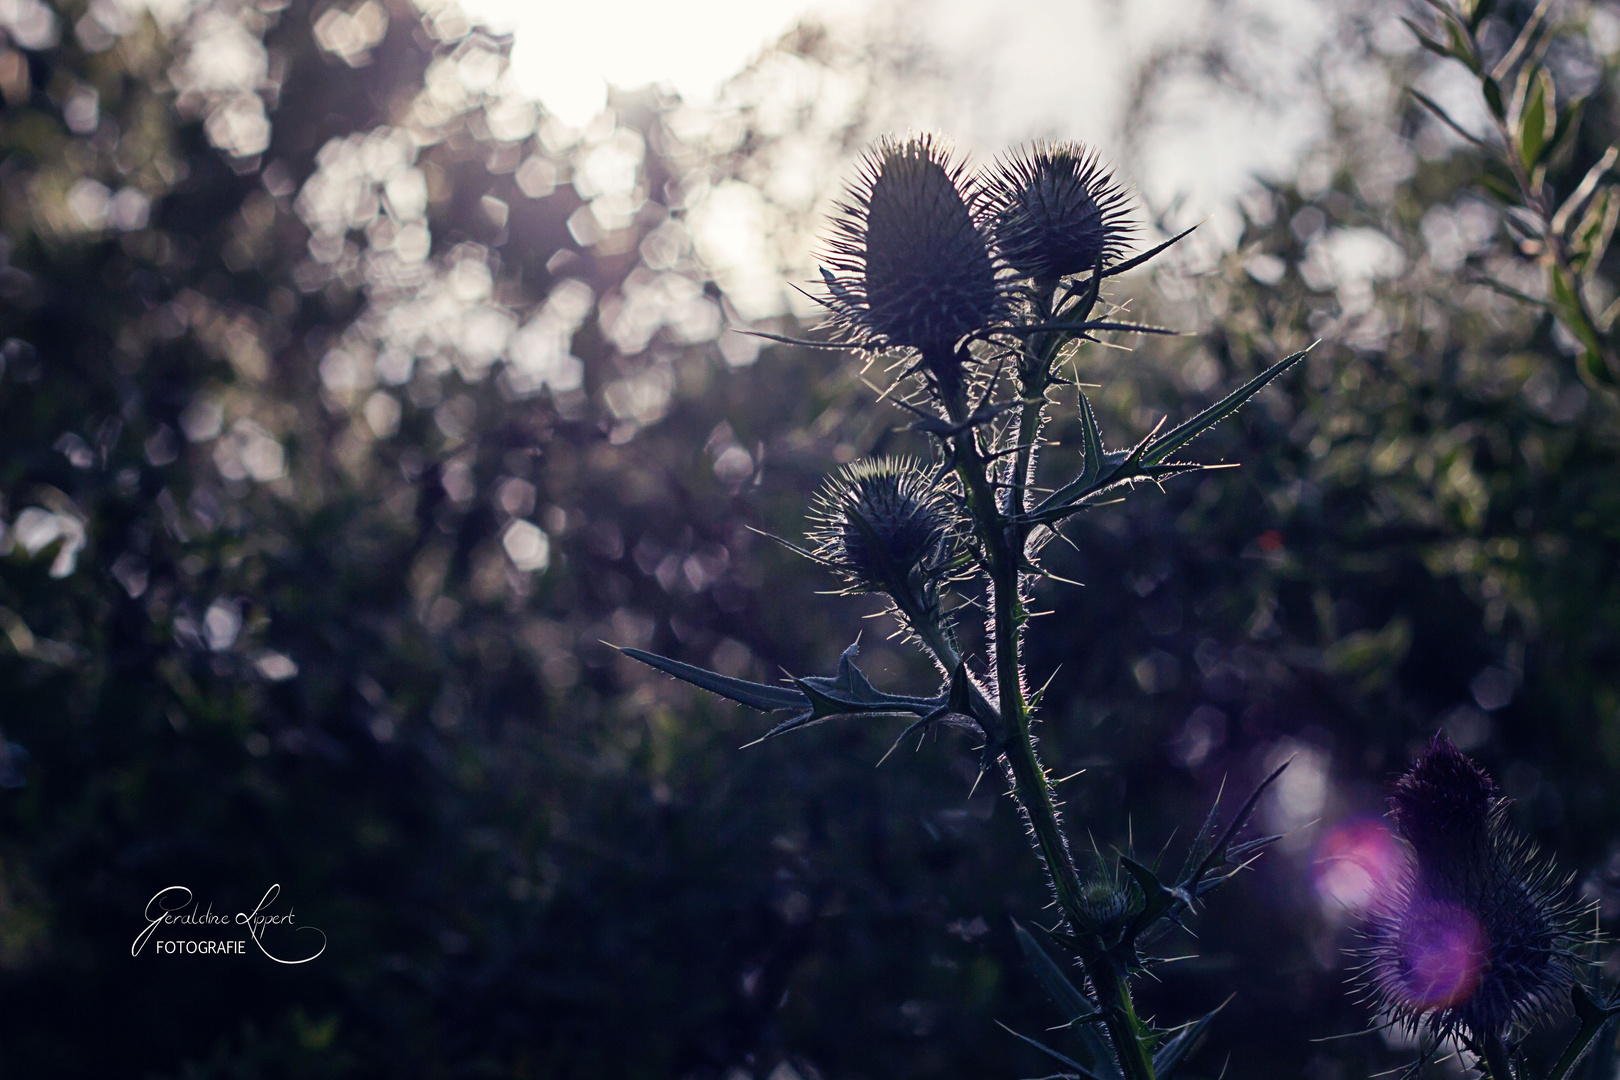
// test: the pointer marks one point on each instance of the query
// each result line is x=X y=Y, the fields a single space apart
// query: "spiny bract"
x=1054 y=210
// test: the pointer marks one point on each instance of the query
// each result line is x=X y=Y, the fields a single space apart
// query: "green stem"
x=1034 y=377
x=1031 y=787
x=1577 y=1048
x=1119 y=1018
x=1003 y=543
x=1033 y=791
x=939 y=644
x=1495 y=1053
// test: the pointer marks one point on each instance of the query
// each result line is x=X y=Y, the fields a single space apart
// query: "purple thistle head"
x=1478 y=936
x=910 y=266
x=1055 y=210
x=884 y=526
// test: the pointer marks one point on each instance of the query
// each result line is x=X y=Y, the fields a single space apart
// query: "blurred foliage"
x=348 y=406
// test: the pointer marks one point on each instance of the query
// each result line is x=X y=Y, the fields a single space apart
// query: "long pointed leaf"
x=1093 y=465
x=1222 y=850
x=1435 y=107
x=1068 y=997
x=1174 y=440
x=1093 y=440
x=755 y=695
x=1576 y=203
x=1074 y=1004
x=1169 y=1056
x=1080 y=1070
x=1133 y=263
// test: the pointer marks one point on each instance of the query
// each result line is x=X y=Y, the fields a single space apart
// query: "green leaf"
x=1591 y=237
x=1584 y=191
x=1156 y=897
x=1172 y=1053
x=1569 y=125
x=1493 y=97
x=755 y=695
x=1174 y=440
x=1461 y=47
x=1568 y=308
x=1505 y=189
x=1439 y=48
x=1445 y=117
x=1073 y=1004
x=1080 y=1069
x=1538 y=119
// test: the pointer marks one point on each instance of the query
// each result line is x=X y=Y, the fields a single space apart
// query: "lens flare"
x=1441 y=955
x=1356 y=864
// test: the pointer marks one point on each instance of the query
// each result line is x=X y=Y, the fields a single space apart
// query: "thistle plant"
x=985 y=287
x=1477 y=939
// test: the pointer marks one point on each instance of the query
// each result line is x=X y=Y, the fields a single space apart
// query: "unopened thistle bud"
x=884 y=527
x=910 y=267
x=1054 y=210
x=1478 y=935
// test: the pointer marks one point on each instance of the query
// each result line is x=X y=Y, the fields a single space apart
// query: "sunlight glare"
x=566 y=55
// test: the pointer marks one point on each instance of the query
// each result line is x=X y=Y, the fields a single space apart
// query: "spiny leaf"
x=1133 y=263
x=1538 y=119
x=851 y=692
x=1170 y=1055
x=1080 y=1070
x=1156 y=897
x=1070 y=1000
x=755 y=695
x=1220 y=854
x=1174 y=440
x=1093 y=440
x=1073 y=1003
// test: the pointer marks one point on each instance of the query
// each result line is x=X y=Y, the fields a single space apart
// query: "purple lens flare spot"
x=1440 y=954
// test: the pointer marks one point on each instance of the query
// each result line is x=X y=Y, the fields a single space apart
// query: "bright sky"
x=566 y=54
x=1030 y=68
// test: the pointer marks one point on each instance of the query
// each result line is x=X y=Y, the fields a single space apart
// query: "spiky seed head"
x=885 y=527
x=910 y=266
x=1478 y=935
x=1108 y=903
x=1442 y=807
x=1055 y=210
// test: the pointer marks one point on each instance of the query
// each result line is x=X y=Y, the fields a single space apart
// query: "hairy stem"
x=1003 y=543
x=1034 y=377
x=1495 y=1055
x=1119 y=1019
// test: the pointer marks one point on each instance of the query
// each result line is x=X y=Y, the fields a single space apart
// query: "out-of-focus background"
x=365 y=369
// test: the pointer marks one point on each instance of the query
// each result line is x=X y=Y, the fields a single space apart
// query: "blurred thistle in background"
x=1479 y=939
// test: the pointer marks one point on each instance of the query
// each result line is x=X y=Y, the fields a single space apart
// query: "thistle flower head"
x=910 y=267
x=1478 y=935
x=884 y=527
x=1054 y=210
